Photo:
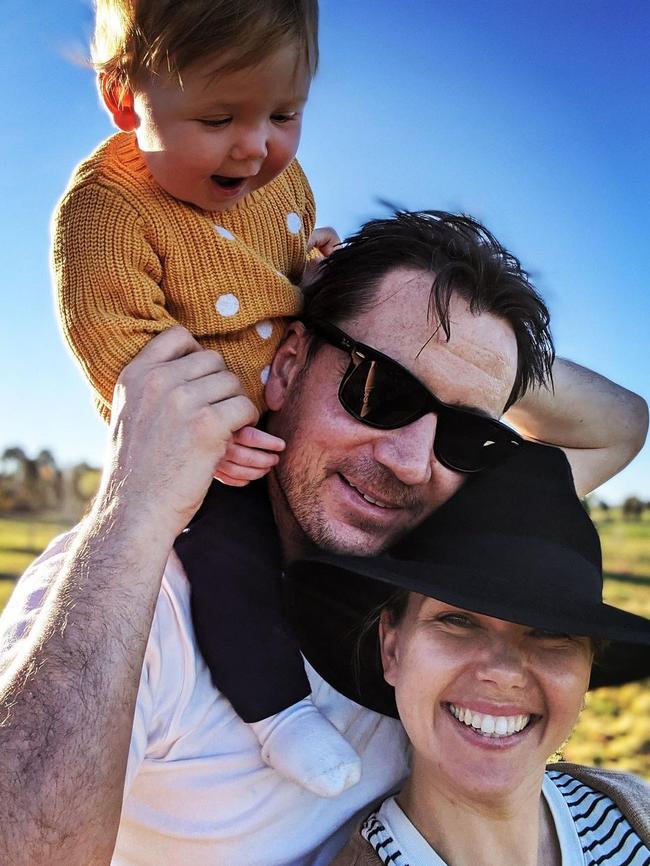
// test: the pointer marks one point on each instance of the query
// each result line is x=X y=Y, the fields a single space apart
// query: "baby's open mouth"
x=227 y=182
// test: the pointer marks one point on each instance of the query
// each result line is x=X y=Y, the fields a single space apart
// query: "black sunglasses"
x=381 y=393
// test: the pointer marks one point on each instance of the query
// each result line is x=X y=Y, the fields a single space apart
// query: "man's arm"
x=599 y=424
x=68 y=688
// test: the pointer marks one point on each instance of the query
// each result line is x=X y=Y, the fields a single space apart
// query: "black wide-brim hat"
x=513 y=543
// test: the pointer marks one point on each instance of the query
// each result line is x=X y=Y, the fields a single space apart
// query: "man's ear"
x=287 y=365
x=389 y=645
x=118 y=100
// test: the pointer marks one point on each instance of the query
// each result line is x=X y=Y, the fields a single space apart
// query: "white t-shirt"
x=197 y=791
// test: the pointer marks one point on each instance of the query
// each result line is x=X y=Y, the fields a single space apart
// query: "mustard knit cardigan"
x=129 y=260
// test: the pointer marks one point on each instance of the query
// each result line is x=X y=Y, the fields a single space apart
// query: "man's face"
x=350 y=488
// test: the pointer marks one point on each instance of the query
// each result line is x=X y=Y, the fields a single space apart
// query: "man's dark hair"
x=462 y=257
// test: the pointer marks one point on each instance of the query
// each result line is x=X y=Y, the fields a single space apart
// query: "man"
x=196 y=789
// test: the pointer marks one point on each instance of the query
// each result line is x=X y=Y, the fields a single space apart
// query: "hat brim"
x=329 y=600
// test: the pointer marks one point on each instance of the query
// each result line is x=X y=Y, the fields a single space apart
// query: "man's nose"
x=250 y=144
x=408 y=451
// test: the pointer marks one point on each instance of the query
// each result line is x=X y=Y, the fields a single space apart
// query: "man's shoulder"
x=31 y=592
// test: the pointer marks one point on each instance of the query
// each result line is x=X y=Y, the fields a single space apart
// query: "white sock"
x=303 y=746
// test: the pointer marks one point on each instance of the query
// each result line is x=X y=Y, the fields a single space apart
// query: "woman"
x=487 y=649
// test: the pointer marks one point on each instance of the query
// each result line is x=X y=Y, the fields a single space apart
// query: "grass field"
x=614 y=728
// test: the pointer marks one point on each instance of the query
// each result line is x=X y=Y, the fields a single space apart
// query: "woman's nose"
x=503 y=663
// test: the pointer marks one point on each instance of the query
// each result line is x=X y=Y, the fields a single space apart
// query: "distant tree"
x=633 y=508
x=50 y=480
x=28 y=485
x=12 y=462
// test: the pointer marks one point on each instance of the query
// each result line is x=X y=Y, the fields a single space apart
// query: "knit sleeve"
x=106 y=277
x=302 y=192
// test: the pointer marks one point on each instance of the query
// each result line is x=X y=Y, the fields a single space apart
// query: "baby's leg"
x=303 y=746
x=232 y=558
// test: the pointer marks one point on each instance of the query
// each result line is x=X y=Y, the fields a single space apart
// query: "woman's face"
x=484 y=702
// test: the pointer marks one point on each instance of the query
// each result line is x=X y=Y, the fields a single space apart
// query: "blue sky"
x=532 y=116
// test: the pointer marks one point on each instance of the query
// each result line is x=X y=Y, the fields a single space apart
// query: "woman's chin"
x=484 y=764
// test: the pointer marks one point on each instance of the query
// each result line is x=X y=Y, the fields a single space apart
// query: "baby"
x=197 y=213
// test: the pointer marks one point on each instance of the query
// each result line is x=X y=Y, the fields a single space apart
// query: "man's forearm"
x=67 y=701
x=68 y=688
x=601 y=425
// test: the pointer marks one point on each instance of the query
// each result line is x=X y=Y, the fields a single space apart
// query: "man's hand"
x=175 y=410
x=600 y=425
x=250 y=455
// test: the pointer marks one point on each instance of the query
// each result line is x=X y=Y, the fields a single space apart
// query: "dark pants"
x=231 y=554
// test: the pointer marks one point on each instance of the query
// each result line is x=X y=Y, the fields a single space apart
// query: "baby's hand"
x=250 y=454
x=324 y=240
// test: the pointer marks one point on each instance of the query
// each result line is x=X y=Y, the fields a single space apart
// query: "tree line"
x=31 y=485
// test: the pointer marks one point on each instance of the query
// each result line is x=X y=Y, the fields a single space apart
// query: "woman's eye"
x=551 y=636
x=456 y=619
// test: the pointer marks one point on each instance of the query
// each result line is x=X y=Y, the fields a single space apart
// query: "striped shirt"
x=590 y=828
x=605 y=834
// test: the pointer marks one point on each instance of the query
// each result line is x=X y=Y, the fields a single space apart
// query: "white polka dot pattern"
x=220 y=230
x=264 y=329
x=227 y=305
x=294 y=223
x=264 y=375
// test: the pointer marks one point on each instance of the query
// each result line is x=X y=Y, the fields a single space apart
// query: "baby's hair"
x=137 y=39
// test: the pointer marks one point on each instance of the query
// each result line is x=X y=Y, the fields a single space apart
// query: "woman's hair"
x=137 y=39
x=395 y=607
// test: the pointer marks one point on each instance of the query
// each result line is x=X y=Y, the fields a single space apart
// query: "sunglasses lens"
x=469 y=444
x=382 y=395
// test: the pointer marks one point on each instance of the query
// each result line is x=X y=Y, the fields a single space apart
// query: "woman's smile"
x=488 y=731
x=488 y=724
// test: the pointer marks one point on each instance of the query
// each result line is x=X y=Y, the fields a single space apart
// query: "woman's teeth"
x=490 y=726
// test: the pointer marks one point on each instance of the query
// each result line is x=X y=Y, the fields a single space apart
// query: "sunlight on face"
x=356 y=489
x=484 y=702
x=221 y=136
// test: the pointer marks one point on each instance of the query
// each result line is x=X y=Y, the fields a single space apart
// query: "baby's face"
x=222 y=135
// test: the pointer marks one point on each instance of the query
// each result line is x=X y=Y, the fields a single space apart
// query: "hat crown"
x=530 y=496
x=514 y=543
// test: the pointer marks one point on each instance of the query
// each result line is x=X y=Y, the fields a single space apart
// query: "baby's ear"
x=118 y=100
